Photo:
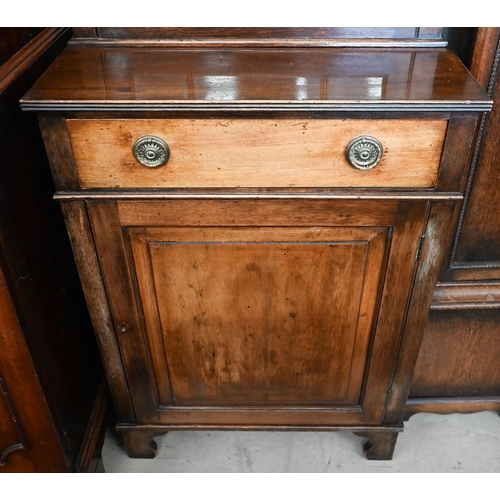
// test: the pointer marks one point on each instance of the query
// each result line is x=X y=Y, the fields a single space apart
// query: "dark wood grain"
x=466 y=295
x=12 y=436
x=485 y=193
x=90 y=458
x=192 y=276
x=261 y=37
x=59 y=151
x=48 y=41
x=28 y=420
x=457 y=152
x=447 y=406
x=432 y=250
x=54 y=331
x=474 y=270
x=459 y=355
x=456 y=369
x=281 y=346
x=407 y=219
x=483 y=55
x=80 y=234
x=316 y=79
x=80 y=32
x=13 y=40
x=127 y=324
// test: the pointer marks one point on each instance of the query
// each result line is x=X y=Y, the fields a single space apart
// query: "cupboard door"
x=258 y=312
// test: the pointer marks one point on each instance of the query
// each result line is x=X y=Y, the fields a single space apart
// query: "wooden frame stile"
x=62 y=164
x=453 y=174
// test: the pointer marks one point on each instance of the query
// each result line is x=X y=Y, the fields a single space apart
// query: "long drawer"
x=208 y=153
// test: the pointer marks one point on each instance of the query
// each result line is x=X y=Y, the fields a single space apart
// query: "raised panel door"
x=258 y=312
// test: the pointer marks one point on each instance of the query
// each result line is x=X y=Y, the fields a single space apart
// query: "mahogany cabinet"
x=258 y=221
x=457 y=368
x=52 y=392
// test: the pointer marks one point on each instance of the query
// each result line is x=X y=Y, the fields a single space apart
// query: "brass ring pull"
x=364 y=153
x=151 y=151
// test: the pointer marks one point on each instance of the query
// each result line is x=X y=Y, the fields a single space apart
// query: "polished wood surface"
x=467 y=295
x=485 y=193
x=483 y=55
x=28 y=440
x=457 y=366
x=431 y=253
x=82 y=242
x=256 y=153
x=297 y=229
x=188 y=275
x=92 y=78
x=233 y=313
x=13 y=40
x=459 y=355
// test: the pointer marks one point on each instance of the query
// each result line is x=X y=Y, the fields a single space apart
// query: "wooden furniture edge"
x=466 y=295
x=80 y=233
x=17 y=64
x=35 y=426
x=484 y=68
x=268 y=43
x=446 y=406
x=89 y=459
x=484 y=54
x=432 y=251
x=262 y=427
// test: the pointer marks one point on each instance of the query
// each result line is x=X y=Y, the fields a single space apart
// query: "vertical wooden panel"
x=34 y=427
x=459 y=355
x=80 y=234
x=436 y=232
x=237 y=326
x=483 y=56
x=479 y=238
x=115 y=265
x=399 y=279
x=54 y=329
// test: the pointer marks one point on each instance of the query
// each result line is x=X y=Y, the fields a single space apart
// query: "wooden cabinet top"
x=313 y=79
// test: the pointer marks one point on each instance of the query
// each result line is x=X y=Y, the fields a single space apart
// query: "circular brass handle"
x=151 y=151
x=364 y=153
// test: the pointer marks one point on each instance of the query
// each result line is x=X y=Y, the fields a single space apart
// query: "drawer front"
x=206 y=153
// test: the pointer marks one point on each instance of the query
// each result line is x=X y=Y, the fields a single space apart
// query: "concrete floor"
x=430 y=443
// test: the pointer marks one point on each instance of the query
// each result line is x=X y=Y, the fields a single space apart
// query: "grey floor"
x=430 y=443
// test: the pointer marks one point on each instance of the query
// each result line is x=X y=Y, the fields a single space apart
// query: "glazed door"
x=258 y=312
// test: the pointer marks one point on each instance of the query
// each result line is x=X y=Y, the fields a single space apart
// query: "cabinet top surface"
x=135 y=78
